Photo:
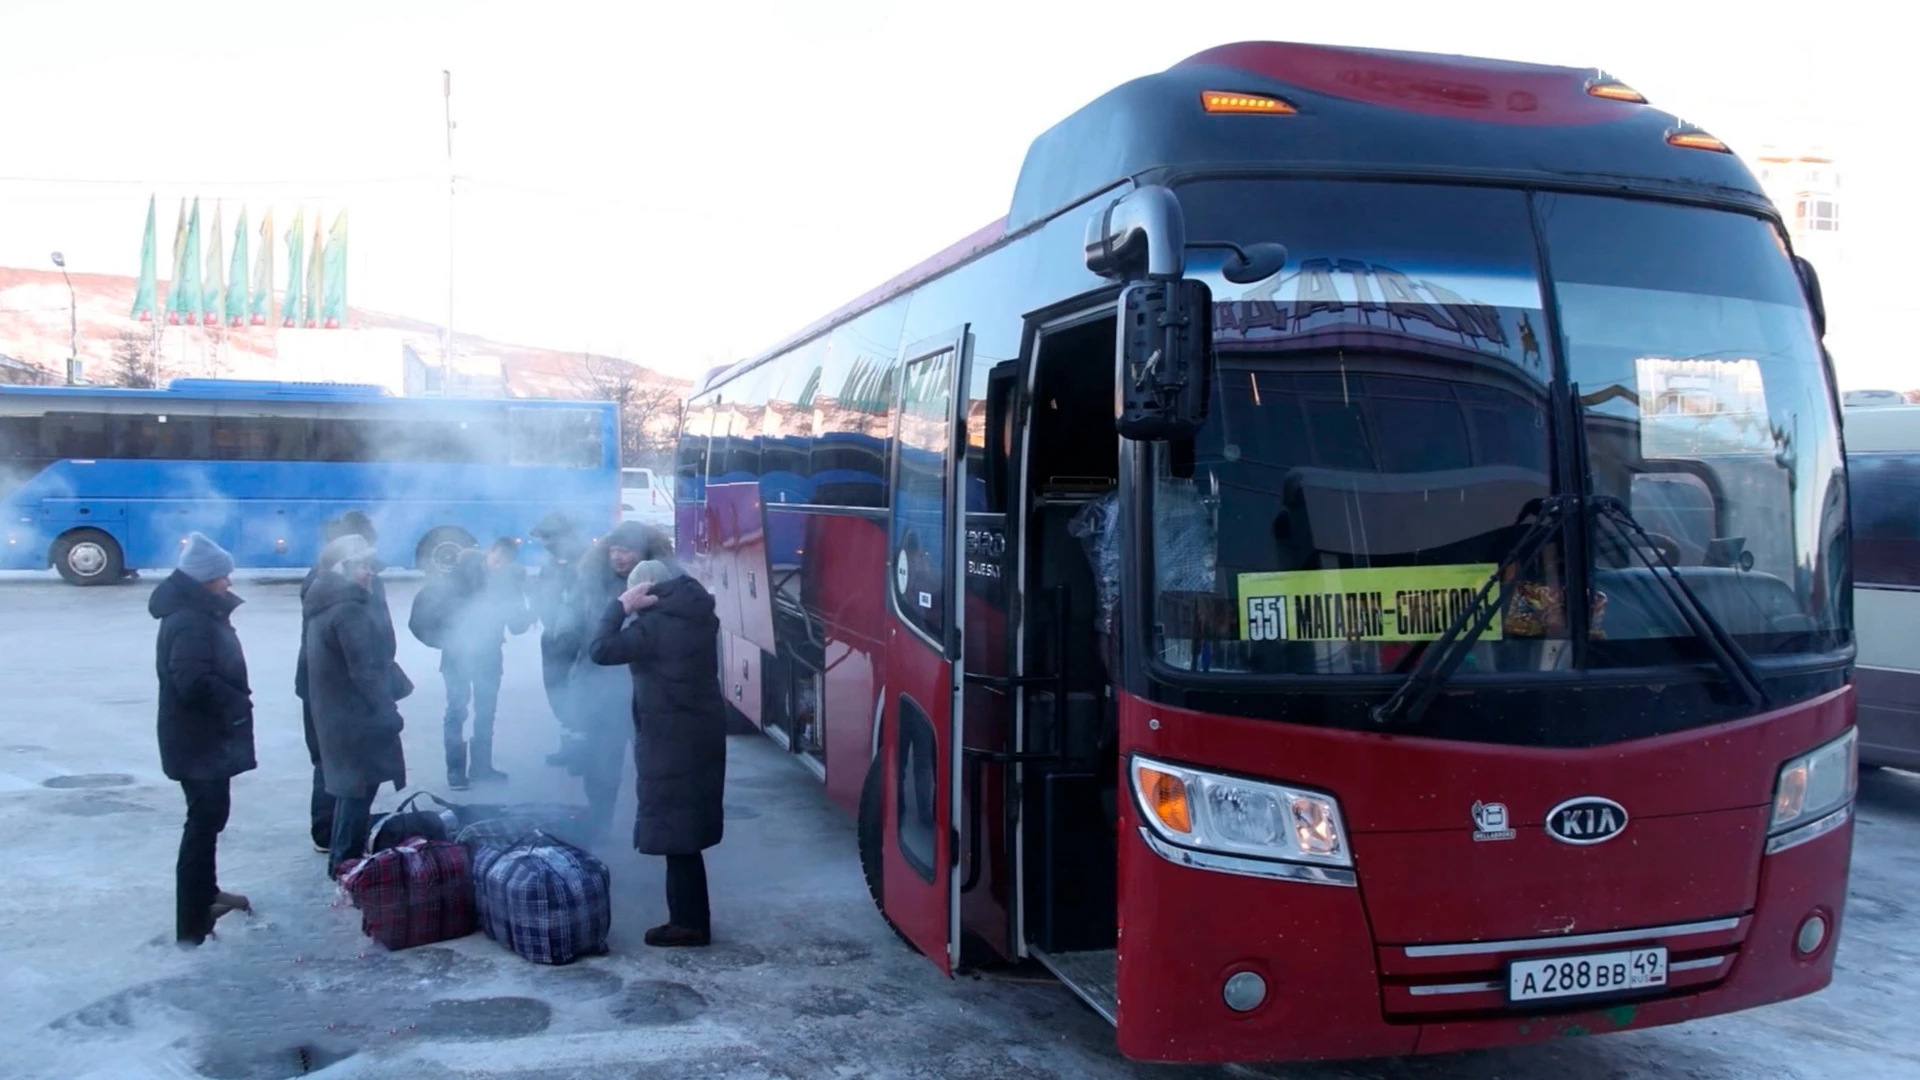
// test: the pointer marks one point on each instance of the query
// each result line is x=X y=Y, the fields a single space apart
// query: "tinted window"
x=921 y=518
x=574 y=438
x=1886 y=518
x=1690 y=344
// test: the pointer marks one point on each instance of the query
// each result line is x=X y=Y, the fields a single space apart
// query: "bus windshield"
x=1382 y=427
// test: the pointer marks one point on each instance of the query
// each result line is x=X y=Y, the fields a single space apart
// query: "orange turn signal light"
x=1615 y=91
x=1696 y=140
x=1226 y=101
x=1166 y=796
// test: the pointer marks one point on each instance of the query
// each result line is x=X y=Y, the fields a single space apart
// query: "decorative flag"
x=143 y=293
x=213 y=294
x=290 y=309
x=313 y=278
x=175 y=293
x=190 y=269
x=334 y=308
x=237 y=275
x=260 y=309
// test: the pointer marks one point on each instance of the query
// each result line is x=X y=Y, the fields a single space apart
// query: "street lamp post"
x=73 y=320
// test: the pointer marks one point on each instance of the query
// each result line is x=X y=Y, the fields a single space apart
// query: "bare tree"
x=134 y=364
x=646 y=406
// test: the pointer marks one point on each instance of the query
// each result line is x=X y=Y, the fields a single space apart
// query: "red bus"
x=1173 y=576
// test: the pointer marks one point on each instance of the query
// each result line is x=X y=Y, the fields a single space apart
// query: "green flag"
x=213 y=292
x=143 y=293
x=313 y=277
x=260 y=309
x=334 y=308
x=190 y=270
x=237 y=275
x=174 y=290
x=296 y=271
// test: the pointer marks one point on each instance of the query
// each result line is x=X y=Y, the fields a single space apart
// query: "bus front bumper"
x=1333 y=993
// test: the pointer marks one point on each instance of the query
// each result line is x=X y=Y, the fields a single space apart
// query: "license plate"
x=1591 y=975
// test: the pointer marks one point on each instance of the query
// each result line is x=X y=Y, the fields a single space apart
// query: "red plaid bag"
x=415 y=894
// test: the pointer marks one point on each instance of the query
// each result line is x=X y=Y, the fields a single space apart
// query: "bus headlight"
x=1812 y=788
x=1235 y=816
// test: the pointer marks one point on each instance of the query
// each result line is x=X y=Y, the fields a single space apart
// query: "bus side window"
x=338 y=439
x=76 y=435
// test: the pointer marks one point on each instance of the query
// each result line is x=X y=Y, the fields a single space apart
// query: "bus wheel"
x=88 y=557
x=871 y=829
x=438 y=553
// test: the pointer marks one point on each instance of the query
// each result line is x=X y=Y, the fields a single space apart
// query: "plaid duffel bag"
x=548 y=901
x=413 y=894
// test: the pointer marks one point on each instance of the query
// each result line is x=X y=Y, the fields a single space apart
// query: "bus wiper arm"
x=1726 y=650
x=1437 y=664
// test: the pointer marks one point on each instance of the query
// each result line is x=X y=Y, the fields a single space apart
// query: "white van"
x=647 y=498
x=1883 y=469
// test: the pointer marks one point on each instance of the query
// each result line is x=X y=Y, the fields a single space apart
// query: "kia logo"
x=1588 y=819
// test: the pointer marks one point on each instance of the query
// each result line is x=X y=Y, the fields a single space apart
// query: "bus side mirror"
x=1164 y=368
x=1816 y=300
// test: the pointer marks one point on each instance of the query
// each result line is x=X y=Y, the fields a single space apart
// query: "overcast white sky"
x=690 y=183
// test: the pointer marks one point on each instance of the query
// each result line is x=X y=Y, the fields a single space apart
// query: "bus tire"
x=871 y=829
x=441 y=549
x=88 y=557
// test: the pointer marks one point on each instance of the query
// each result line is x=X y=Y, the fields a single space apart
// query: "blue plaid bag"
x=548 y=901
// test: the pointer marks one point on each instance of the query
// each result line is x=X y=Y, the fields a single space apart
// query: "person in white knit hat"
x=205 y=723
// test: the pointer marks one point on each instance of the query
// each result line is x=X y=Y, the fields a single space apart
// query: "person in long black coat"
x=205 y=723
x=319 y=802
x=355 y=690
x=671 y=644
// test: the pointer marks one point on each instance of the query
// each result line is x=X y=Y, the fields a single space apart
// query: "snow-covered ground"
x=805 y=980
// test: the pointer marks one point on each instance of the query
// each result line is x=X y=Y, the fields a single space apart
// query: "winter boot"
x=457 y=765
x=482 y=767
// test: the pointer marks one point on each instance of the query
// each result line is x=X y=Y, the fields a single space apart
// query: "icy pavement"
x=804 y=980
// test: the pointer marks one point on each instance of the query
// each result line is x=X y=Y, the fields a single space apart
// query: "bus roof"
x=1354 y=112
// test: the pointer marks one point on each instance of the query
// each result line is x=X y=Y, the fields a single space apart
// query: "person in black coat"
x=665 y=630
x=205 y=723
x=319 y=803
x=355 y=690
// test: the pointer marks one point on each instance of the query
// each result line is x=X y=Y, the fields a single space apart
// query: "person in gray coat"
x=600 y=699
x=354 y=689
x=665 y=630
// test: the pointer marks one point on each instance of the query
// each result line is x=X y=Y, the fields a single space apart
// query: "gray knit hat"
x=204 y=561
x=652 y=572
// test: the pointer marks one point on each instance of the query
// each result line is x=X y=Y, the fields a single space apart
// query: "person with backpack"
x=355 y=690
x=319 y=802
x=466 y=614
x=205 y=723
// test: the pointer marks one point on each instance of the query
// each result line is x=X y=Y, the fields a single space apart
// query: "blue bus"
x=97 y=482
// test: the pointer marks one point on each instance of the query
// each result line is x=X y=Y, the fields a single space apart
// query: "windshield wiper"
x=1726 y=650
x=1438 y=662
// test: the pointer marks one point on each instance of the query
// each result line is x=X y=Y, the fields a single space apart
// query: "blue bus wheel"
x=441 y=549
x=88 y=557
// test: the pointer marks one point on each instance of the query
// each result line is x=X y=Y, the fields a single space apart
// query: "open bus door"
x=919 y=745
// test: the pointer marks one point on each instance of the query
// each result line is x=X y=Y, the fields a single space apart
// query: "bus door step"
x=1093 y=975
